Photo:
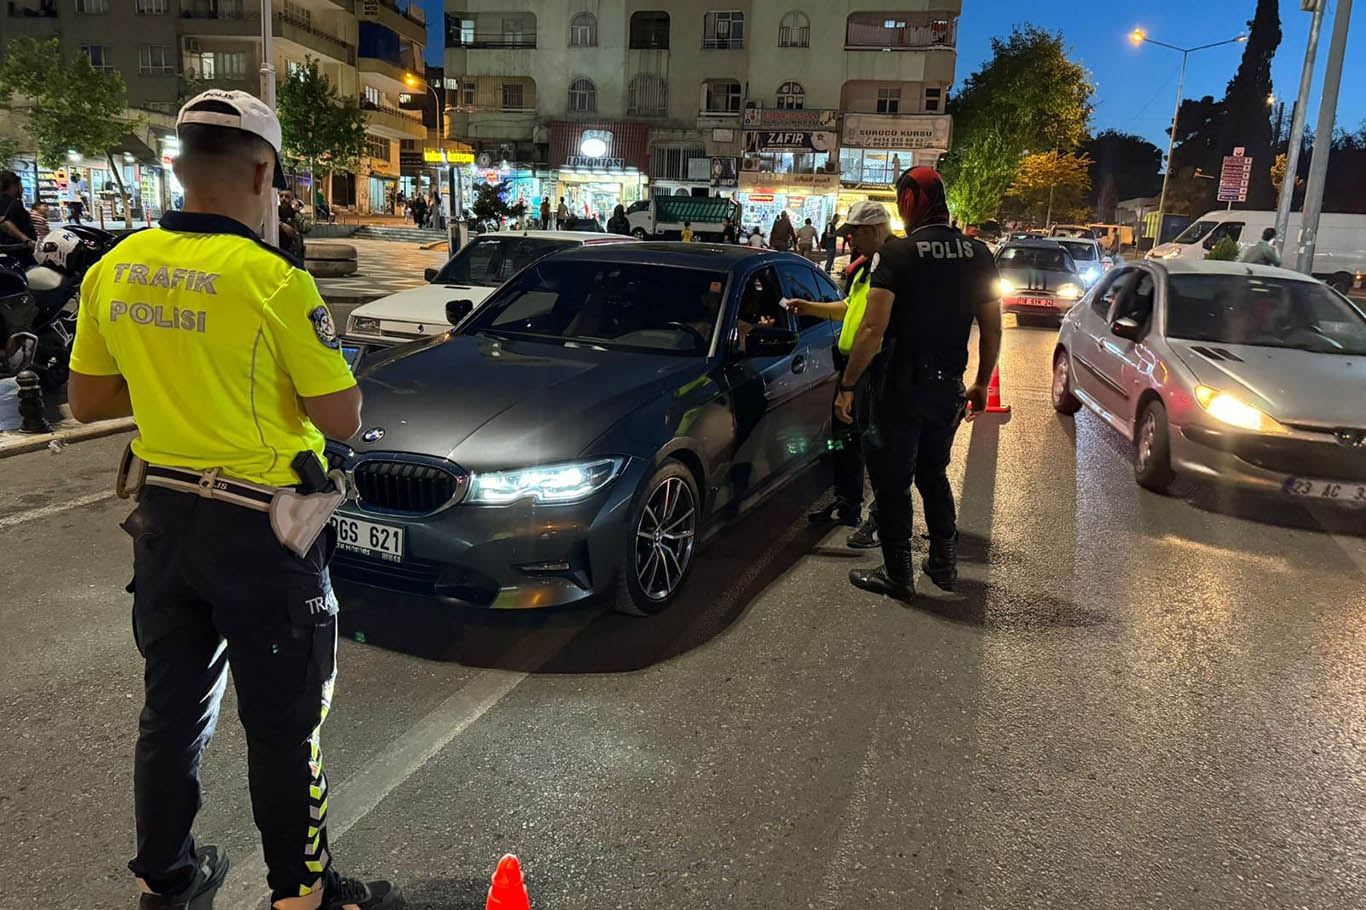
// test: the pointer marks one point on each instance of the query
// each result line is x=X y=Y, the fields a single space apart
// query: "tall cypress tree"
x=1247 y=120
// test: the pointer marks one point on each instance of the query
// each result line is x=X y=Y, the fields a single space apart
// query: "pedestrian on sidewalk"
x=1260 y=253
x=830 y=241
x=545 y=214
x=782 y=236
x=869 y=228
x=80 y=197
x=927 y=290
x=233 y=399
x=38 y=214
x=561 y=213
x=806 y=239
x=419 y=206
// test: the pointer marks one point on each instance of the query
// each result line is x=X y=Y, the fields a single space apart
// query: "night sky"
x=1136 y=87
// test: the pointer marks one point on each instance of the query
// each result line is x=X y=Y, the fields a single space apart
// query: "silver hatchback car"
x=1224 y=371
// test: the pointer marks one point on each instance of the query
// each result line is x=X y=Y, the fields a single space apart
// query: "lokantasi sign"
x=1234 y=176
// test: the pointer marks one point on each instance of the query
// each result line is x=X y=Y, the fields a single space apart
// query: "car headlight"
x=1004 y=286
x=1068 y=291
x=363 y=324
x=1090 y=274
x=553 y=483
x=1230 y=410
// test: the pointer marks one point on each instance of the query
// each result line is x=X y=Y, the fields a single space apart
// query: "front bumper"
x=1260 y=462
x=516 y=557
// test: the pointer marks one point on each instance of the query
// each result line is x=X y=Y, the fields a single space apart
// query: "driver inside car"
x=758 y=308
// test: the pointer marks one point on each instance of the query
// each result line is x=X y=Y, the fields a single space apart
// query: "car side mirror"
x=1125 y=327
x=457 y=310
x=430 y=275
x=768 y=341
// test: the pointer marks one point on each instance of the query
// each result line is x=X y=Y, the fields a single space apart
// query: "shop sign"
x=814 y=183
x=760 y=197
x=789 y=140
x=599 y=164
x=725 y=172
x=810 y=119
x=445 y=156
x=897 y=131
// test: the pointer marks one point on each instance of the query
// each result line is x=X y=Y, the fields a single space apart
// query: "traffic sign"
x=1235 y=176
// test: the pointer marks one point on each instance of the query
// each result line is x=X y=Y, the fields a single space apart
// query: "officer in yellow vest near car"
x=868 y=228
x=221 y=349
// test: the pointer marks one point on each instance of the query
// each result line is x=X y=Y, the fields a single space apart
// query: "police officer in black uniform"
x=926 y=292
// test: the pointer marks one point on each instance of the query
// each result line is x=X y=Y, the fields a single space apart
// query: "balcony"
x=880 y=32
x=391 y=71
x=723 y=44
x=32 y=9
x=393 y=122
x=500 y=43
x=291 y=28
x=390 y=17
x=477 y=124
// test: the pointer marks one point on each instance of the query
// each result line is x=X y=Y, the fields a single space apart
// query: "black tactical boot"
x=942 y=562
x=211 y=867
x=892 y=579
x=840 y=512
x=865 y=538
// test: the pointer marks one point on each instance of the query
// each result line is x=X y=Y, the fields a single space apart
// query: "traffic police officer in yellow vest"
x=221 y=349
x=868 y=228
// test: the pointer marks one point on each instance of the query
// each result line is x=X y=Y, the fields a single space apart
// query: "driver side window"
x=1114 y=286
x=1138 y=305
x=759 y=306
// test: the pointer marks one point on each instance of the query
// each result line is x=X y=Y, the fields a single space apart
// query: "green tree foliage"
x=9 y=147
x=319 y=127
x=491 y=202
x=70 y=104
x=1226 y=250
x=1052 y=186
x=1028 y=96
x=1130 y=164
x=1247 y=115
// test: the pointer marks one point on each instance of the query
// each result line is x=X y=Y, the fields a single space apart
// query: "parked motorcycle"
x=39 y=303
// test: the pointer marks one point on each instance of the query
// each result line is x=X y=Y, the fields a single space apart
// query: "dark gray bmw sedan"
x=578 y=434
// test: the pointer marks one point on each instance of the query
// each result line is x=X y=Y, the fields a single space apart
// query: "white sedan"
x=469 y=277
x=1225 y=371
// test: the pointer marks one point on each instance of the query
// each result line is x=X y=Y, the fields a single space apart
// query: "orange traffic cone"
x=508 y=891
x=994 y=405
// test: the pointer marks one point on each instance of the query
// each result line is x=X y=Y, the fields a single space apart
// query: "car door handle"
x=799 y=363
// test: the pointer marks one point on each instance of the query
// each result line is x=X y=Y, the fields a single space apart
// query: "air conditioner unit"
x=192 y=45
x=749 y=164
x=484 y=160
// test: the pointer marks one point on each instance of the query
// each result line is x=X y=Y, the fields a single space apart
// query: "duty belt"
x=211 y=484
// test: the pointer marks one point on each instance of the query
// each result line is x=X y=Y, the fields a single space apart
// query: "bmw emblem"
x=374 y=434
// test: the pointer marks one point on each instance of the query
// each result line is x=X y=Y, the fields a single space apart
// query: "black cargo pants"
x=912 y=439
x=212 y=585
x=846 y=442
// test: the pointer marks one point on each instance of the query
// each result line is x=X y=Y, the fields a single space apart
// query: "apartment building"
x=169 y=50
x=804 y=108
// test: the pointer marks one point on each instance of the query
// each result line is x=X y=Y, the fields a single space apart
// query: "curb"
x=21 y=445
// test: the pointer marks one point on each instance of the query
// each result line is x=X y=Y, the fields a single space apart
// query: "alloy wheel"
x=664 y=539
x=1059 y=379
x=1146 y=435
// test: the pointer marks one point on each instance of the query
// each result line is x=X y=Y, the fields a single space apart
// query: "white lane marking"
x=55 y=508
x=363 y=791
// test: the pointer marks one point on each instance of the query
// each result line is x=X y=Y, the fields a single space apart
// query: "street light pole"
x=1138 y=36
x=1292 y=152
x=272 y=223
x=1323 y=138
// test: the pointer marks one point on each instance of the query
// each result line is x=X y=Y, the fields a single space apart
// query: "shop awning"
x=132 y=145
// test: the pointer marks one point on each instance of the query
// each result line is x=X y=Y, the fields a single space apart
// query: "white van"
x=1339 y=254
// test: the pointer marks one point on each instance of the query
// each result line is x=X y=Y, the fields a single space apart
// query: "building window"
x=723 y=30
x=670 y=162
x=723 y=96
x=298 y=14
x=459 y=30
x=583 y=96
x=889 y=101
x=934 y=100
x=232 y=65
x=650 y=30
x=795 y=30
x=519 y=30
x=372 y=95
x=512 y=96
x=468 y=89
x=155 y=58
x=151 y=7
x=647 y=96
x=878 y=31
x=377 y=147
x=160 y=107
x=87 y=7
x=101 y=56
x=583 y=30
x=791 y=96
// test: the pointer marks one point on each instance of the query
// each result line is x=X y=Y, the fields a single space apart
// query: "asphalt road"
x=1135 y=702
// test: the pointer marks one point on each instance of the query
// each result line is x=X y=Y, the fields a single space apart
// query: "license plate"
x=1037 y=301
x=369 y=539
x=1329 y=490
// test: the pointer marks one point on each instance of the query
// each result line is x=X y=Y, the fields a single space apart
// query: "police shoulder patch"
x=323 y=327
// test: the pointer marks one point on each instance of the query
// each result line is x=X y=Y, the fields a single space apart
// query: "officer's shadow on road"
x=728 y=574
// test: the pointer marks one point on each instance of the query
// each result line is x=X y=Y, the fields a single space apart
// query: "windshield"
x=1266 y=312
x=1035 y=257
x=1196 y=232
x=1078 y=250
x=489 y=261
x=612 y=304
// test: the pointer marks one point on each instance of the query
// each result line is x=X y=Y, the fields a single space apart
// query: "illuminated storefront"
x=599 y=165
x=876 y=148
x=790 y=165
x=802 y=196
